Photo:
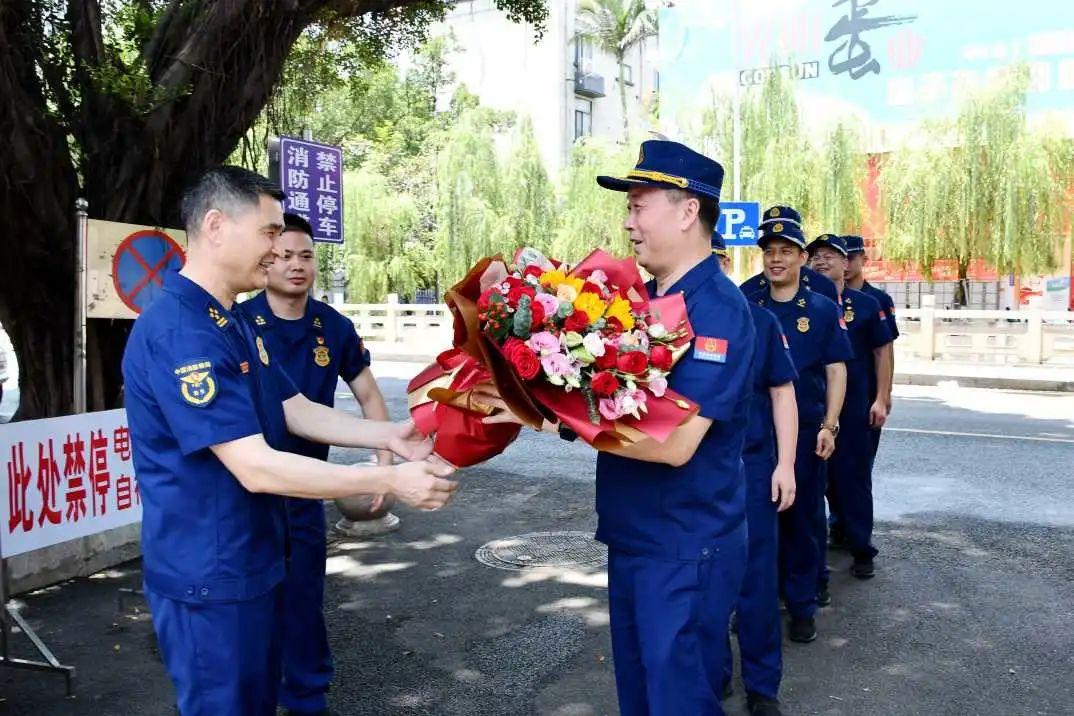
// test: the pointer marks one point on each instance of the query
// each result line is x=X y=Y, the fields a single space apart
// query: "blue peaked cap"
x=670 y=165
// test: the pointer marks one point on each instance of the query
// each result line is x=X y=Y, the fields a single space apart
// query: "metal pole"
x=81 y=239
x=739 y=254
x=307 y=134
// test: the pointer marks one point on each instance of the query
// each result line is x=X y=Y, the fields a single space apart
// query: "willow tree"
x=125 y=103
x=528 y=193
x=839 y=180
x=984 y=185
x=383 y=253
x=470 y=196
x=591 y=217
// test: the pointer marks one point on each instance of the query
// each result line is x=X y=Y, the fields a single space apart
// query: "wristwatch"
x=833 y=429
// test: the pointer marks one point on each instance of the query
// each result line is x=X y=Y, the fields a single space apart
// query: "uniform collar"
x=699 y=274
x=800 y=300
x=181 y=286
x=262 y=315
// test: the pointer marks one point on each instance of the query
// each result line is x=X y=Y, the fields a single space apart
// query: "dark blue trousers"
x=307 y=660
x=760 y=634
x=223 y=658
x=801 y=551
x=850 y=485
x=669 y=628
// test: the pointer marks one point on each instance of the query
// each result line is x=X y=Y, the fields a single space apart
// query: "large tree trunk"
x=220 y=63
x=962 y=291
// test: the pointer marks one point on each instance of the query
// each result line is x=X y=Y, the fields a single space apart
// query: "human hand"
x=421 y=483
x=825 y=443
x=783 y=486
x=878 y=413
x=407 y=442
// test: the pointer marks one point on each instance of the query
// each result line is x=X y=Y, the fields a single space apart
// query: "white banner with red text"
x=67 y=478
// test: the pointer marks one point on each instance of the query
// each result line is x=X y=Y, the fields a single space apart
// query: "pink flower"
x=658 y=385
x=544 y=343
x=557 y=365
x=623 y=403
x=549 y=302
x=609 y=408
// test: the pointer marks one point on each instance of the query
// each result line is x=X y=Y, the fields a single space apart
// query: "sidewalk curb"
x=965 y=380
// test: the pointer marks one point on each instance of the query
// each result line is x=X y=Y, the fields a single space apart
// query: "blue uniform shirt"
x=198 y=375
x=817 y=337
x=680 y=513
x=886 y=305
x=314 y=350
x=867 y=330
x=772 y=366
x=812 y=280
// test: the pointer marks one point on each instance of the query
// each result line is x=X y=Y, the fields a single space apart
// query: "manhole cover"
x=543 y=549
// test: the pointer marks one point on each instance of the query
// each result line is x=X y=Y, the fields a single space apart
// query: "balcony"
x=588 y=84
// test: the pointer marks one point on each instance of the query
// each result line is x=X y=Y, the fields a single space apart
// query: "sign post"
x=81 y=241
x=311 y=175
x=738 y=222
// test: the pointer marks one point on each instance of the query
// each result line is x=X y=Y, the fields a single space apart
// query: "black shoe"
x=836 y=540
x=803 y=629
x=762 y=705
x=863 y=569
x=291 y=712
x=824 y=597
x=727 y=692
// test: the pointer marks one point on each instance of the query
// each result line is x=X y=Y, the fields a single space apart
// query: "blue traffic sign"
x=311 y=175
x=139 y=265
x=738 y=222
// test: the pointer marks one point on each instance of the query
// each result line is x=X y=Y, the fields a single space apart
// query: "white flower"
x=657 y=330
x=594 y=344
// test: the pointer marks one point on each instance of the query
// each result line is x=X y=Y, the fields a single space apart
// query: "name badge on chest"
x=713 y=350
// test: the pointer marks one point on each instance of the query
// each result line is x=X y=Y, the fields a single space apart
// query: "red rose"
x=604 y=383
x=660 y=357
x=577 y=322
x=613 y=326
x=525 y=361
x=591 y=287
x=608 y=360
x=517 y=292
x=533 y=270
x=633 y=362
x=538 y=315
x=483 y=301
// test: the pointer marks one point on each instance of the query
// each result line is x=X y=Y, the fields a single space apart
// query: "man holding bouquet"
x=673 y=513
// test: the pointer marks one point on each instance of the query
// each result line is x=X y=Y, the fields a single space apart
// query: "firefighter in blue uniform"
x=820 y=348
x=315 y=345
x=810 y=278
x=856 y=280
x=768 y=456
x=209 y=412
x=673 y=514
x=850 y=479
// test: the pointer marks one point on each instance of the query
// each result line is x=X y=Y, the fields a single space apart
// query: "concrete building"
x=568 y=87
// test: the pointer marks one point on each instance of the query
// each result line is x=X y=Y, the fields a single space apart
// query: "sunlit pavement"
x=971 y=612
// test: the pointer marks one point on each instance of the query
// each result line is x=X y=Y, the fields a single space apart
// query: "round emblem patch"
x=777 y=228
x=803 y=325
x=320 y=356
x=774 y=212
x=261 y=352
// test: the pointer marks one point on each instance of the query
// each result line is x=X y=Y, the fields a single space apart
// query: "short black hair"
x=296 y=222
x=708 y=212
x=227 y=188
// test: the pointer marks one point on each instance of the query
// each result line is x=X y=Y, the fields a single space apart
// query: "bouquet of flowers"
x=585 y=346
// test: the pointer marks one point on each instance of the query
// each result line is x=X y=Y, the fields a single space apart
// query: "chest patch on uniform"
x=800 y=303
x=848 y=315
x=803 y=325
x=260 y=320
x=317 y=322
x=197 y=383
x=261 y=352
x=320 y=356
x=713 y=350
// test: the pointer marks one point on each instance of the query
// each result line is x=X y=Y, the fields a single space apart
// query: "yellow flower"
x=553 y=279
x=620 y=310
x=591 y=304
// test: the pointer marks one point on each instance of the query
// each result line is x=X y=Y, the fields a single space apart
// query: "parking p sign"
x=738 y=222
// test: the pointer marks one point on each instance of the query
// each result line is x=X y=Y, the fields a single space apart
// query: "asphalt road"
x=972 y=610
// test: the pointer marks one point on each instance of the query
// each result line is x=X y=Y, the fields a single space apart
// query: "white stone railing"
x=1027 y=337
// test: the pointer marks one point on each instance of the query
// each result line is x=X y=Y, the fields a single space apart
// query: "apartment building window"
x=628 y=74
x=583 y=53
x=583 y=118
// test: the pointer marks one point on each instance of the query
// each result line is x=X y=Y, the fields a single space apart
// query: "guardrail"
x=1027 y=337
